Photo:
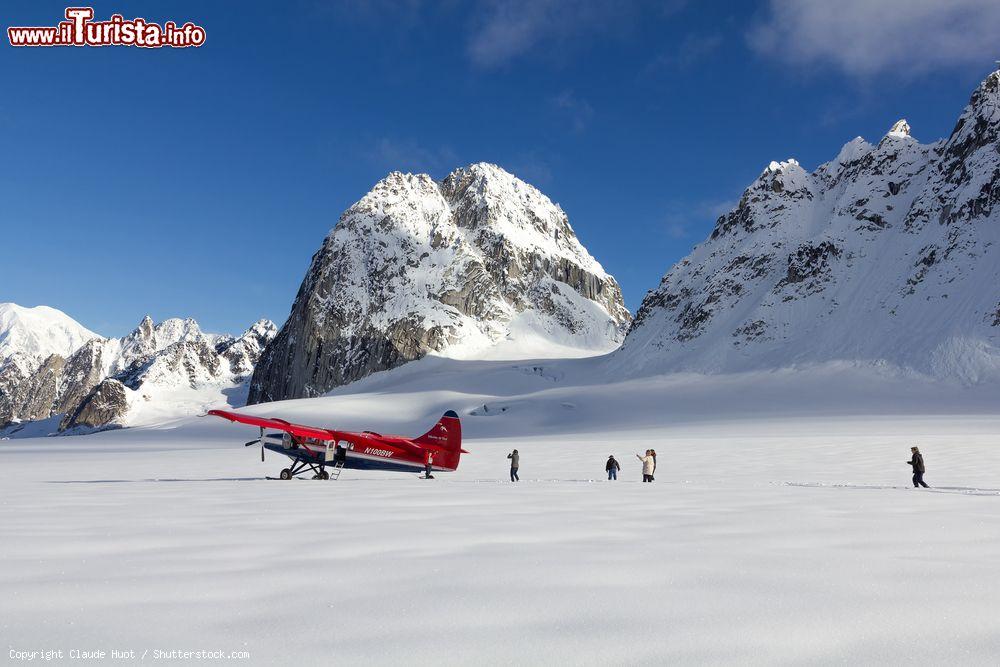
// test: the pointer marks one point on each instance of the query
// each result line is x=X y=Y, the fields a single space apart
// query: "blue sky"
x=199 y=182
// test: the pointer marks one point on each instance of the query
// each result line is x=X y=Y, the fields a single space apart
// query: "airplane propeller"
x=259 y=439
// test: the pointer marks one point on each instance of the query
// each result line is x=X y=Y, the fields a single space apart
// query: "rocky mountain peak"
x=457 y=267
x=262 y=329
x=780 y=192
x=175 y=329
x=787 y=176
x=485 y=184
x=973 y=141
x=145 y=328
x=243 y=352
x=776 y=167
x=501 y=209
x=396 y=184
x=899 y=129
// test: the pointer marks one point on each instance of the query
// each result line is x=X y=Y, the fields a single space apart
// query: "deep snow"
x=780 y=528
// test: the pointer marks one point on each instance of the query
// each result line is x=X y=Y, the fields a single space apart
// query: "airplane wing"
x=278 y=424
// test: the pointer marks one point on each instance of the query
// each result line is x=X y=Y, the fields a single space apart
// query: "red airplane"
x=312 y=449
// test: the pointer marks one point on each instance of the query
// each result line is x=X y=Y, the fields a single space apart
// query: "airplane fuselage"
x=357 y=454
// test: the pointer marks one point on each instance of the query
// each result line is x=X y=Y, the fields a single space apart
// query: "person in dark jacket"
x=515 y=463
x=612 y=467
x=917 y=461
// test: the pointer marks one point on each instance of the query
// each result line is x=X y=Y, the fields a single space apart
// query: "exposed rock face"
x=453 y=267
x=43 y=388
x=888 y=254
x=13 y=376
x=190 y=362
x=83 y=371
x=10 y=379
x=98 y=378
x=106 y=404
x=30 y=395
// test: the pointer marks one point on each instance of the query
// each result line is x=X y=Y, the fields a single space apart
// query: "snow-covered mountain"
x=161 y=369
x=479 y=264
x=34 y=345
x=157 y=370
x=28 y=336
x=888 y=254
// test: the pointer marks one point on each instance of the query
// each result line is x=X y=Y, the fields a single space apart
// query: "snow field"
x=767 y=540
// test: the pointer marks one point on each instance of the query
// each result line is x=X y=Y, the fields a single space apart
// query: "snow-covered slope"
x=887 y=254
x=779 y=530
x=479 y=264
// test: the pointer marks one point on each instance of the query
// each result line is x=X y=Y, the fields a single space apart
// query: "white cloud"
x=869 y=37
x=501 y=31
x=508 y=29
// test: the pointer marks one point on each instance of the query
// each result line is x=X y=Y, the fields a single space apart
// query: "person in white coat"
x=648 y=465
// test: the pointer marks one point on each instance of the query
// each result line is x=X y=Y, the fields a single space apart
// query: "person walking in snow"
x=917 y=461
x=652 y=453
x=648 y=465
x=612 y=468
x=427 y=466
x=515 y=462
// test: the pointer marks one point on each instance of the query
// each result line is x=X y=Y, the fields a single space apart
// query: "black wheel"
x=324 y=475
x=285 y=474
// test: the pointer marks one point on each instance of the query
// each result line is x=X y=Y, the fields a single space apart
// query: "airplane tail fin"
x=445 y=438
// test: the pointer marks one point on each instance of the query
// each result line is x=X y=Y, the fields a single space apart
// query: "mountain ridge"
x=103 y=382
x=887 y=254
